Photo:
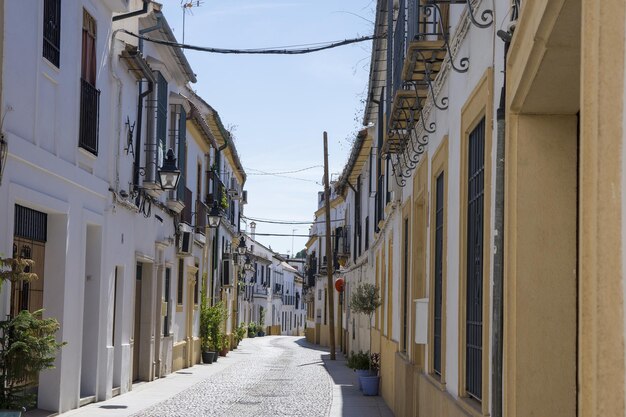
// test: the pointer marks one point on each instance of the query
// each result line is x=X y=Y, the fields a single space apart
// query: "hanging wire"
x=257 y=51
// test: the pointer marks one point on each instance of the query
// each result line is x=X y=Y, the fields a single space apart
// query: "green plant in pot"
x=205 y=324
x=252 y=329
x=365 y=300
x=370 y=383
x=224 y=344
x=240 y=333
x=261 y=326
x=360 y=363
x=218 y=315
x=27 y=345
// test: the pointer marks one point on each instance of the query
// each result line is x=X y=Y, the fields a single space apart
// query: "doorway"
x=137 y=322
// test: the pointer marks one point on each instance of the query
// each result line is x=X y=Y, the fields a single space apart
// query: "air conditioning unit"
x=185 y=239
x=184 y=243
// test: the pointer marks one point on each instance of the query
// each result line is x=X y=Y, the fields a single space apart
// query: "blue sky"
x=281 y=105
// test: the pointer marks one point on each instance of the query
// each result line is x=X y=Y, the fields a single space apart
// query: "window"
x=52 y=31
x=166 y=295
x=181 y=281
x=115 y=300
x=29 y=242
x=196 y=287
x=89 y=95
x=161 y=117
x=177 y=141
x=325 y=306
x=226 y=271
x=438 y=278
x=182 y=151
x=405 y=286
x=474 y=262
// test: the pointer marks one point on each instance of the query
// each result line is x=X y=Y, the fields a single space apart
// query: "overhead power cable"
x=261 y=172
x=285 y=221
x=280 y=234
x=255 y=51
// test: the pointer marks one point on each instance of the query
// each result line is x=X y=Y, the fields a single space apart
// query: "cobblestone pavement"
x=278 y=378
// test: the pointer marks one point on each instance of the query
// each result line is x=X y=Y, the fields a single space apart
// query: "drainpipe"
x=142 y=95
x=498 y=257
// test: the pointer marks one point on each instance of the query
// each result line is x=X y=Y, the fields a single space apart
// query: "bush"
x=240 y=332
x=27 y=346
x=217 y=315
x=365 y=299
x=253 y=328
x=359 y=360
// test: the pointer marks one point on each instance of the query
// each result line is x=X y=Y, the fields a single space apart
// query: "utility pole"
x=329 y=255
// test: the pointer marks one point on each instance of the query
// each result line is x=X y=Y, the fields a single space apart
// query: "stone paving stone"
x=280 y=378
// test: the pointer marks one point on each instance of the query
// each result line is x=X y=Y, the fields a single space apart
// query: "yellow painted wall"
x=310 y=335
x=274 y=330
x=388 y=349
x=196 y=350
x=430 y=400
x=178 y=356
x=403 y=401
x=601 y=352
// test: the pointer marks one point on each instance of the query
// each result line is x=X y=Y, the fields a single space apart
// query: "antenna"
x=187 y=6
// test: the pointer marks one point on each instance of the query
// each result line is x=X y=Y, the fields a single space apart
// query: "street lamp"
x=241 y=248
x=247 y=266
x=214 y=216
x=169 y=174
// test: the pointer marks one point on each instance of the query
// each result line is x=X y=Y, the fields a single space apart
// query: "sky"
x=279 y=106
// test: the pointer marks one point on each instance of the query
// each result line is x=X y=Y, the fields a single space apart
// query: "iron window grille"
x=438 y=275
x=52 y=31
x=474 y=273
x=89 y=117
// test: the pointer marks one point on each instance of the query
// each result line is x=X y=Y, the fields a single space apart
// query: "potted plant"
x=365 y=300
x=240 y=333
x=360 y=363
x=218 y=315
x=205 y=325
x=27 y=345
x=224 y=201
x=261 y=326
x=370 y=383
x=252 y=329
x=224 y=344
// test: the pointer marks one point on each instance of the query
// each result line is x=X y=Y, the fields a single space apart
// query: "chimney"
x=253 y=230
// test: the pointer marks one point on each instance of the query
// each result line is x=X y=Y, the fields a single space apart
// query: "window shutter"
x=226 y=281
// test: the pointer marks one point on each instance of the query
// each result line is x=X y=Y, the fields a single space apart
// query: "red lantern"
x=339 y=284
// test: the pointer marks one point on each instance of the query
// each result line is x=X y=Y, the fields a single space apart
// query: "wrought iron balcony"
x=89 y=117
x=218 y=193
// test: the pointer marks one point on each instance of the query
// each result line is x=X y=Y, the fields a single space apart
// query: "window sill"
x=179 y=308
x=51 y=65
x=470 y=406
x=436 y=381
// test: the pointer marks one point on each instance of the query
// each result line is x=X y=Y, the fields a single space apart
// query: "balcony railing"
x=399 y=52
x=343 y=241
x=89 y=117
x=278 y=289
x=219 y=194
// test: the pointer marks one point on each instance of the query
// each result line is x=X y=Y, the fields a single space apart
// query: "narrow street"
x=264 y=376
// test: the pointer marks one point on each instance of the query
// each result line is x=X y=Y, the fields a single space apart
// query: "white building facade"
x=89 y=113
